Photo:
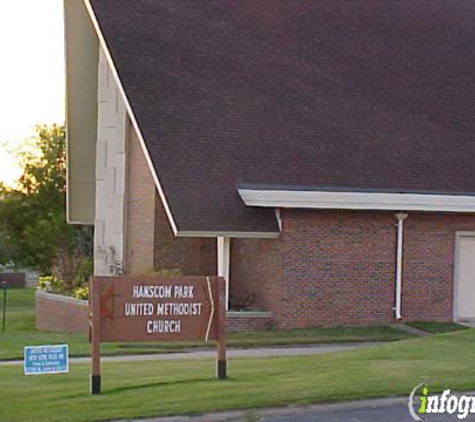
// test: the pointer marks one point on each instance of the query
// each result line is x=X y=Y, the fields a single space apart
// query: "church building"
x=318 y=154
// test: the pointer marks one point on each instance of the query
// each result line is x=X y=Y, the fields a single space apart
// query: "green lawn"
x=21 y=332
x=437 y=327
x=146 y=389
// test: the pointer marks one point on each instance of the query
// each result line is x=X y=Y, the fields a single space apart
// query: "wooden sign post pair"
x=139 y=309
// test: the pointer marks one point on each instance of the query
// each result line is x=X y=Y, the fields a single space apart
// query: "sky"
x=31 y=73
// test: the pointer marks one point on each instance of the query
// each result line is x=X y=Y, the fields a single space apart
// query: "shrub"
x=72 y=268
x=69 y=275
x=50 y=284
x=81 y=293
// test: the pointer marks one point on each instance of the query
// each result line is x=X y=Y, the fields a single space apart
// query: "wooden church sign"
x=156 y=309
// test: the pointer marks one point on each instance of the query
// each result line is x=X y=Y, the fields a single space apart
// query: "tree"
x=33 y=225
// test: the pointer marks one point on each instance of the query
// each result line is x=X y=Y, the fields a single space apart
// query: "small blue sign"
x=46 y=359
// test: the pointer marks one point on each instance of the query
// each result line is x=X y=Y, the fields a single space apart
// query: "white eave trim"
x=247 y=235
x=357 y=200
x=103 y=44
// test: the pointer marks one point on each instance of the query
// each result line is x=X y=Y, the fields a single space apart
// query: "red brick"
x=339 y=268
x=61 y=314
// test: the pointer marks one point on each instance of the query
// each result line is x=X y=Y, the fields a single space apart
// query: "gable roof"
x=365 y=95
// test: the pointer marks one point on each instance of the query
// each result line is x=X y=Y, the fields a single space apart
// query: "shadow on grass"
x=162 y=384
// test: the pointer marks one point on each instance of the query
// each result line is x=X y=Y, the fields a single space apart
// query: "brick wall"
x=150 y=242
x=339 y=267
x=249 y=321
x=61 y=314
x=140 y=214
x=429 y=246
x=192 y=256
x=256 y=271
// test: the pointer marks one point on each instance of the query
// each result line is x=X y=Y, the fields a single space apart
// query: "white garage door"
x=465 y=278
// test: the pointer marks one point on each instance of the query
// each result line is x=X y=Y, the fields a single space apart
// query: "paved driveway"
x=382 y=410
x=397 y=412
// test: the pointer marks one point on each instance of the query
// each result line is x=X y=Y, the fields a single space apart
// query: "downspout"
x=399 y=264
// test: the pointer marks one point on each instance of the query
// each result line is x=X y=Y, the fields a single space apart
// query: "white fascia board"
x=81 y=49
x=247 y=235
x=131 y=115
x=357 y=200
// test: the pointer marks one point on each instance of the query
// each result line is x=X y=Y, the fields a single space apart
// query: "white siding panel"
x=102 y=90
x=100 y=193
x=466 y=279
x=101 y=157
x=120 y=176
x=99 y=233
x=110 y=174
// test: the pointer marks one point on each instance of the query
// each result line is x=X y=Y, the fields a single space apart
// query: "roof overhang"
x=130 y=112
x=83 y=40
x=357 y=200
x=234 y=234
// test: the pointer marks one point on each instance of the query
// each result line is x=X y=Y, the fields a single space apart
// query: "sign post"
x=156 y=309
x=221 y=333
x=3 y=284
x=95 y=339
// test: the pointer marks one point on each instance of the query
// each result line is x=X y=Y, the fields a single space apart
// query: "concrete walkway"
x=411 y=330
x=232 y=353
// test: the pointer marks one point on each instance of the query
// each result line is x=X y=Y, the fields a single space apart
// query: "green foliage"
x=72 y=268
x=81 y=293
x=45 y=282
x=50 y=284
x=33 y=225
x=71 y=273
x=44 y=165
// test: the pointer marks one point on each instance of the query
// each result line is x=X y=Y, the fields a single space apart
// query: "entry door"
x=465 y=278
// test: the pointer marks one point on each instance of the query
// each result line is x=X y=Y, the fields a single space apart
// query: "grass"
x=437 y=327
x=21 y=332
x=147 y=389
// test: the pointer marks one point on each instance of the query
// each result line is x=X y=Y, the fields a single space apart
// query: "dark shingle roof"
x=355 y=95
